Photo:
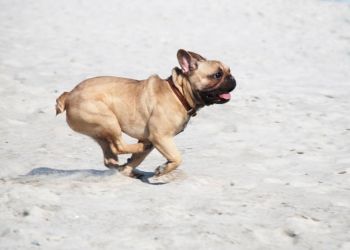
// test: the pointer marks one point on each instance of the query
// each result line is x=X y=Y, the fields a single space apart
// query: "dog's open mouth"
x=216 y=96
x=220 y=94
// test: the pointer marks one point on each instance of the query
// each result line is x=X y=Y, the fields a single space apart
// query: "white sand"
x=269 y=170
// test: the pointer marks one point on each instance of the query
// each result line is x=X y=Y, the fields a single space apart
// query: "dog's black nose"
x=232 y=82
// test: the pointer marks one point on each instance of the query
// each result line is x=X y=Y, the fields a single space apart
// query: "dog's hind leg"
x=95 y=119
x=110 y=159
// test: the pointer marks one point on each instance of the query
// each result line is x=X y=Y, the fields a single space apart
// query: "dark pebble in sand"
x=342 y=172
x=35 y=243
x=290 y=233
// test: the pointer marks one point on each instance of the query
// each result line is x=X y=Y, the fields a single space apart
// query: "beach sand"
x=268 y=170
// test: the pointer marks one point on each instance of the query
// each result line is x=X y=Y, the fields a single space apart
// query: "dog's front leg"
x=167 y=147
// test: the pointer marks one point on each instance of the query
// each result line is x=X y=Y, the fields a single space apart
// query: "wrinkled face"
x=212 y=80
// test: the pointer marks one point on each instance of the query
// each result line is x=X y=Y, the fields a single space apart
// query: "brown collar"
x=190 y=111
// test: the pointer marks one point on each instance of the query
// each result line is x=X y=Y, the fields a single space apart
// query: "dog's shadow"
x=143 y=176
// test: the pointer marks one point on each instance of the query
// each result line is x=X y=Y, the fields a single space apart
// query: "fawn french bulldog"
x=152 y=110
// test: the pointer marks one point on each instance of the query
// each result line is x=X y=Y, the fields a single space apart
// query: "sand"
x=268 y=170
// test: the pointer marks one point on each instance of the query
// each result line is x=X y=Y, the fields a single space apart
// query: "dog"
x=153 y=110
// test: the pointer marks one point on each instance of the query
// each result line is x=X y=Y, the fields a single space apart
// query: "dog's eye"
x=217 y=75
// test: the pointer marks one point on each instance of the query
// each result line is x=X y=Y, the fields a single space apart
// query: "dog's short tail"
x=61 y=103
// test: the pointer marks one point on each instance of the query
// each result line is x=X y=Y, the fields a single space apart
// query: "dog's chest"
x=183 y=126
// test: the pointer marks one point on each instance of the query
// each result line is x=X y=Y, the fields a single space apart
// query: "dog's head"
x=212 y=80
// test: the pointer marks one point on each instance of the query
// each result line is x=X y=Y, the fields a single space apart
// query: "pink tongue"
x=225 y=96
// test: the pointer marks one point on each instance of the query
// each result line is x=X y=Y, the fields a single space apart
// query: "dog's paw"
x=176 y=175
x=136 y=175
x=130 y=172
x=126 y=170
x=111 y=163
x=160 y=170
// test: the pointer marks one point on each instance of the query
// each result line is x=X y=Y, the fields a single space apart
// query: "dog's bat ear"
x=186 y=61
x=196 y=56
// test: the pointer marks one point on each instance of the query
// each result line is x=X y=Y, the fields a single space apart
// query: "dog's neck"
x=185 y=87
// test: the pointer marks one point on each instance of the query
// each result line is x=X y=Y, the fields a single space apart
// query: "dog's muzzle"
x=220 y=94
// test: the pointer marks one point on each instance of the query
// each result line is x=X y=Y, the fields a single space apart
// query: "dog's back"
x=94 y=88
